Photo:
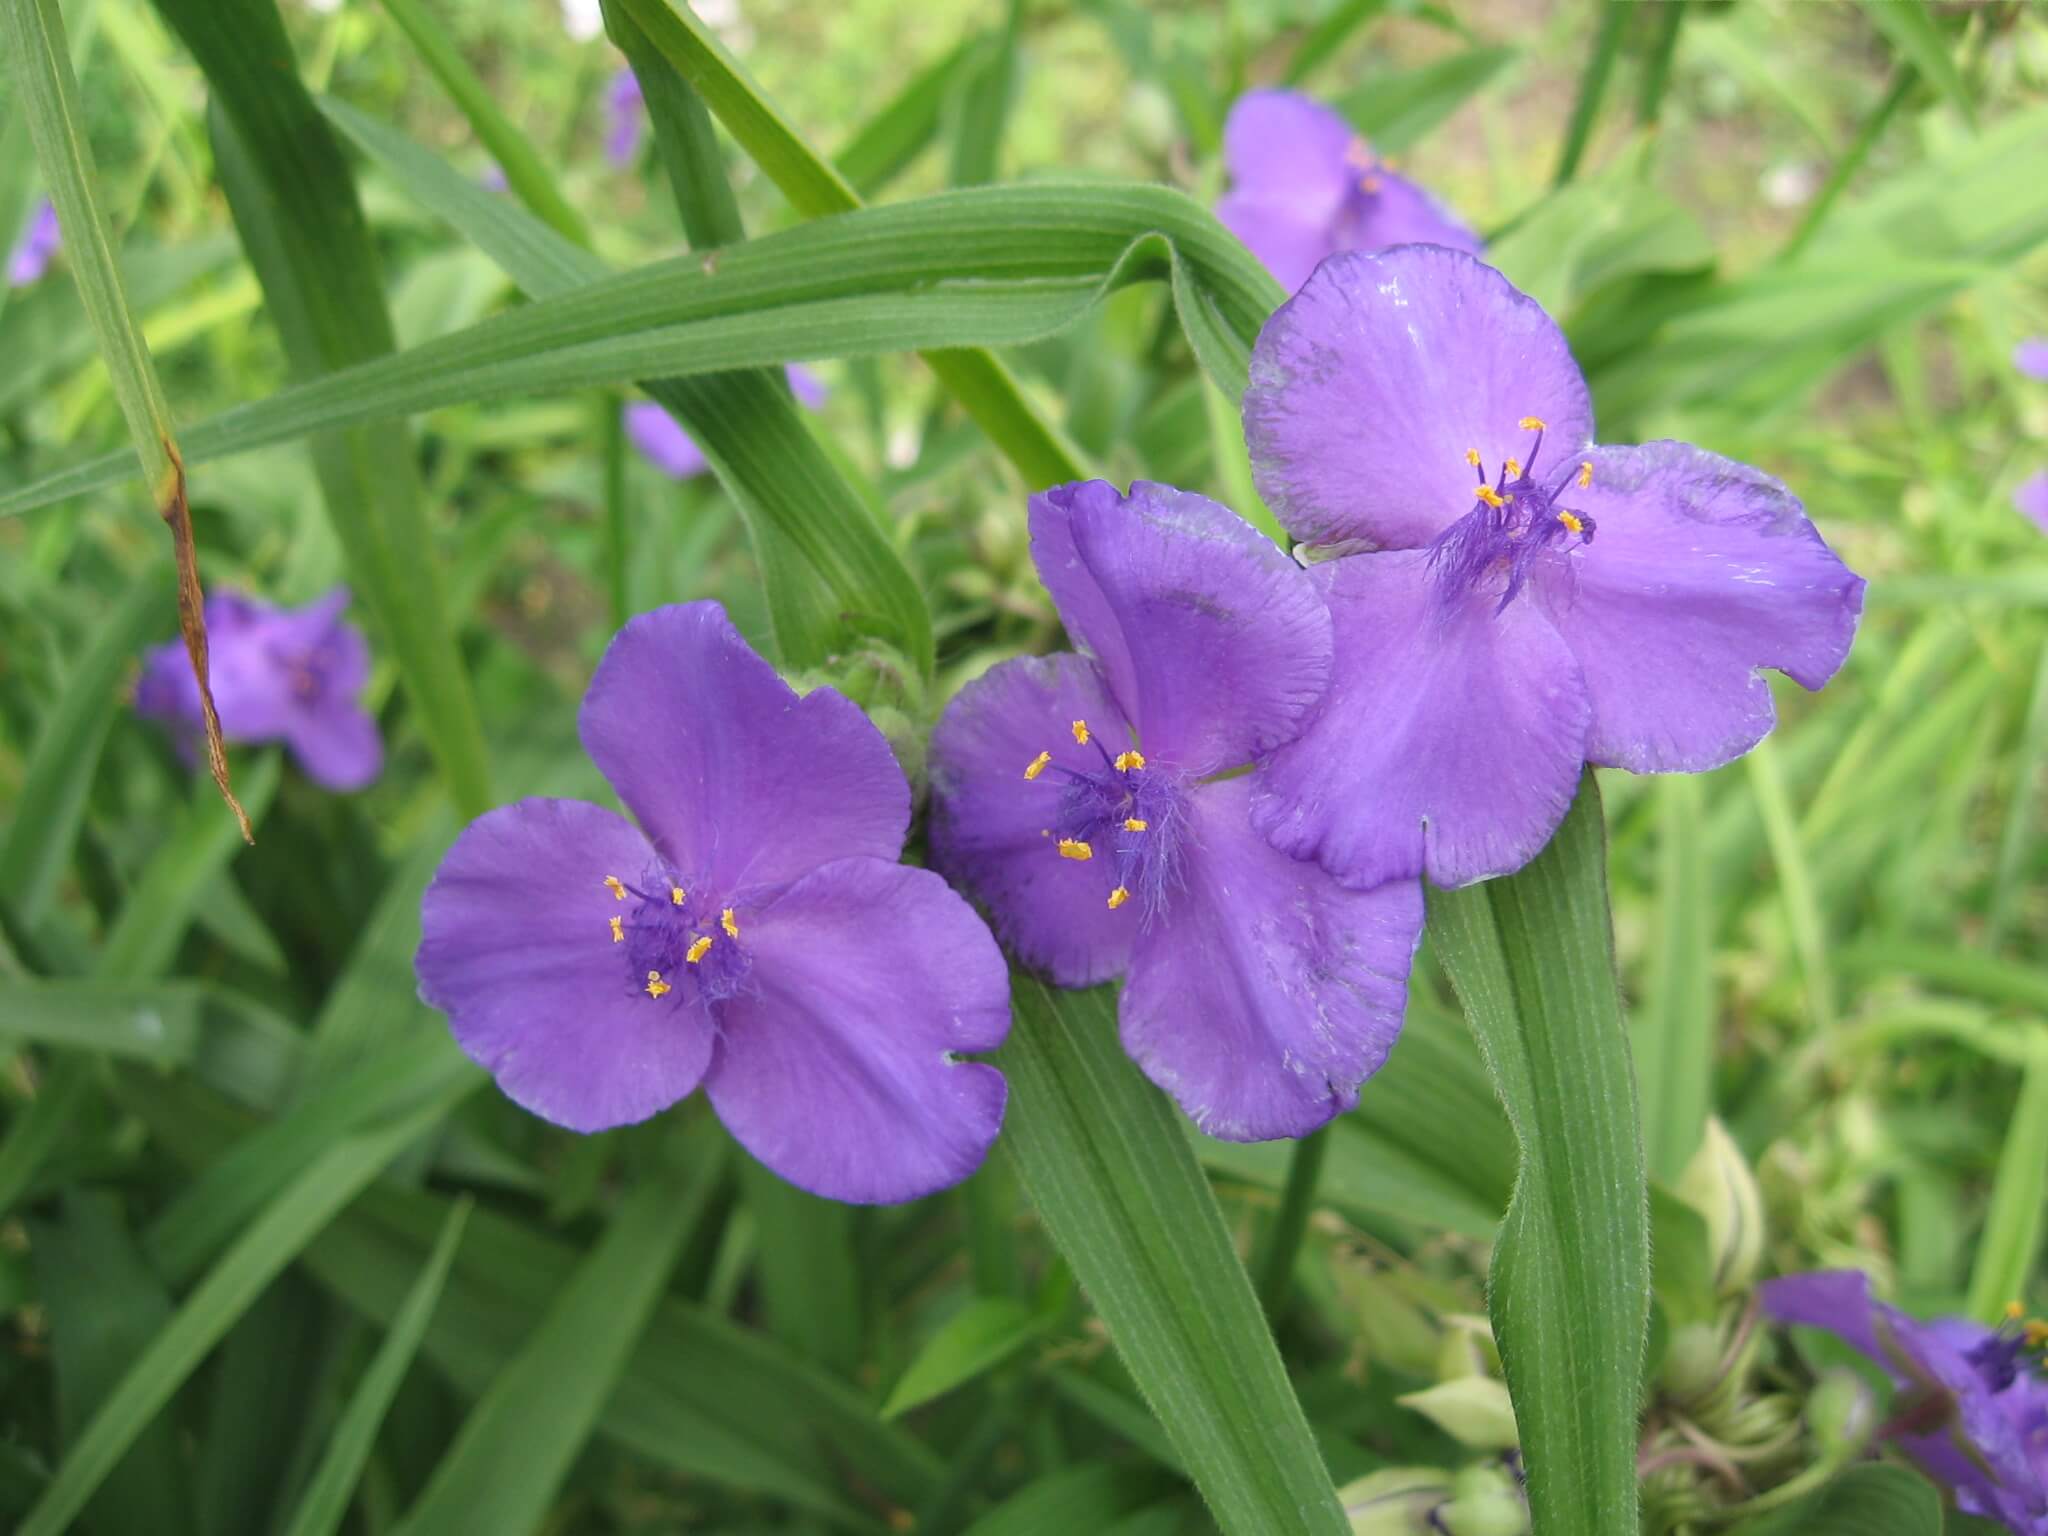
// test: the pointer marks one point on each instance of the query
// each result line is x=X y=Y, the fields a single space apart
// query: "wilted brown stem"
x=192 y=624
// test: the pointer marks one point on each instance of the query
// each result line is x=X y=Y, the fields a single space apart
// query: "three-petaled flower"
x=1512 y=601
x=1092 y=802
x=277 y=674
x=754 y=934
x=1972 y=1408
x=1304 y=186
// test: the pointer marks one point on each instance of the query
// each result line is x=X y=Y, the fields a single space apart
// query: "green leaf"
x=1084 y=1498
x=906 y=124
x=500 y=1476
x=1328 y=35
x=1398 y=108
x=175 y=1350
x=1909 y=26
x=324 y=1504
x=1864 y=1501
x=2011 y=1240
x=1107 y=1164
x=1674 y=1038
x=807 y=1270
x=1532 y=959
x=294 y=205
x=152 y=1021
x=977 y=1338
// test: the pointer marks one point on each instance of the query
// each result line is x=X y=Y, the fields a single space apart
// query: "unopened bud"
x=1467 y=1348
x=1394 y=1502
x=1719 y=1185
x=1841 y=1413
x=1473 y=1410
x=1485 y=1501
x=1692 y=1361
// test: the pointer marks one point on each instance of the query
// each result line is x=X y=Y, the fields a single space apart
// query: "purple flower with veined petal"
x=2031 y=357
x=754 y=933
x=1091 y=802
x=1304 y=186
x=626 y=111
x=1972 y=1408
x=1421 y=418
x=2032 y=499
x=30 y=258
x=661 y=440
x=278 y=674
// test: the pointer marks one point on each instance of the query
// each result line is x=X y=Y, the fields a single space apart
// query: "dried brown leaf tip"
x=192 y=625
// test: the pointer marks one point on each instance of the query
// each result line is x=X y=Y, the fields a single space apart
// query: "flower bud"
x=1485 y=1501
x=1841 y=1413
x=1394 y=1502
x=1719 y=1185
x=1473 y=1410
x=1467 y=1348
x=1692 y=1361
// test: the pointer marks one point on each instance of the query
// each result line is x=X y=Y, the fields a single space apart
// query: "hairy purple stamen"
x=677 y=938
x=1130 y=815
x=1514 y=524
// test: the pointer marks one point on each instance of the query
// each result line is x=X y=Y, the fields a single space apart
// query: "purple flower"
x=1415 y=414
x=1304 y=186
x=31 y=255
x=278 y=674
x=625 y=109
x=1972 y=1410
x=1089 y=801
x=2032 y=499
x=754 y=934
x=662 y=441
x=2031 y=357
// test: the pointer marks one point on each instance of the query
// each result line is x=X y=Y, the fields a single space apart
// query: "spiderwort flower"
x=278 y=674
x=1089 y=801
x=2031 y=357
x=625 y=109
x=661 y=440
x=30 y=258
x=2032 y=499
x=1417 y=415
x=754 y=934
x=1304 y=185
x=1973 y=1404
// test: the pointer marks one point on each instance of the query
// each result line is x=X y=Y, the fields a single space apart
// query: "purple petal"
x=1211 y=639
x=515 y=948
x=1401 y=212
x=1450 y=742
x=1289 y=244
x=991 y=826
x=1287 y=152
x=808 y=388
x=1701 y=571
x=625 y=109
x=39 y=242
x=1838 y=1300
x=736 y=778
x=1370 y=385
x=838 y=1069
x=2032 y=499
x=2031 y=357
x=661 y=441
x=1269 y=993
x=338 y=747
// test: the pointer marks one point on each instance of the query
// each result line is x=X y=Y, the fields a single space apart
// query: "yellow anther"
x=729 y=923
x=1073 y=848
x=1514 y=469
x=1585 y=473
x=2037 y=1333
x=698 y=948
x=1126 y=761
x=618 y=930
x=1492 y=498
x=1118 y=897
x=1531 y=423
x=1369 y=185
x=2014 y=1311
x=1037 y=765
x=616 y=886
x=675 y=894
x=1472 y=457
x=656 y=987
x=1571 y=521
x=1080 y=733
x=1135 y=823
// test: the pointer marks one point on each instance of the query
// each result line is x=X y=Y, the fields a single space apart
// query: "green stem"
x=1275 y=1266
x=613 y=429
x=1657 y=68
x=1592 y=88
x=1852 y=160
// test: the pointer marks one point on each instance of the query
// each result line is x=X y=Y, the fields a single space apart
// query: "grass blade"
x=2012 y=1232
x=1674 y=1039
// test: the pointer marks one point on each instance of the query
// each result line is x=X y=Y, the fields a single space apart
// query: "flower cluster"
x=1972 y=1403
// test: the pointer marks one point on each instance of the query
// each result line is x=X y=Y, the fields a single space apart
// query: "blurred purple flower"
x=2032 y=499
x=1304 y=186
x=493 y=178
x=1972 y=1408
x=278 y=674
x=662 y=441
x=1079 y=797
x=754 y=934
x=1486 y=645
x=626 y=111
x=2031 y=357
x=31 y=255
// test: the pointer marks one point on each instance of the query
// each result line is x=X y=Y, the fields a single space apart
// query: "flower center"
x=1998 y=1359
x=1127 y=817
x=309 y=670
x=674 y=937
x=1515 y=521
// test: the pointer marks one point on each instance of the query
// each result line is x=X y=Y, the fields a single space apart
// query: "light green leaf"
x=2011 y=1241
x=1398 y=108
x=1674 y=1037
x=977 y=1338
x=1909 y=26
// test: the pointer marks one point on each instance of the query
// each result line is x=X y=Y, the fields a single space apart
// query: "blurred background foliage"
x=242 y=1163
